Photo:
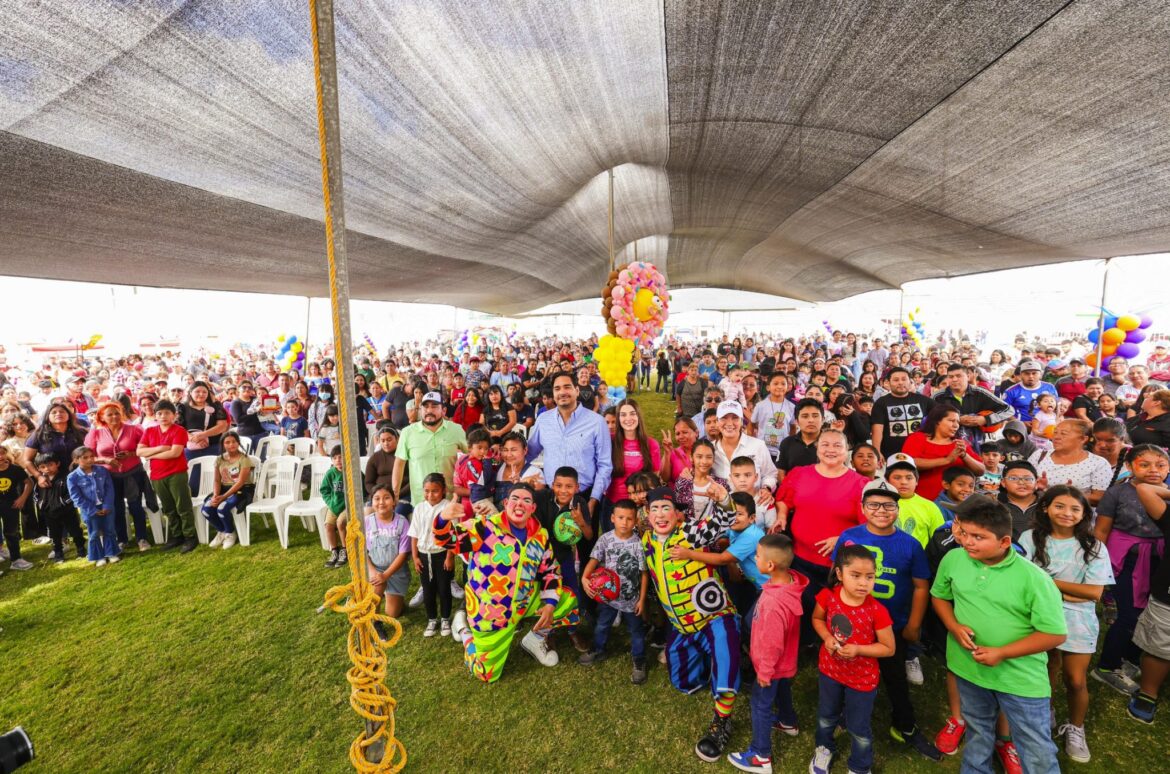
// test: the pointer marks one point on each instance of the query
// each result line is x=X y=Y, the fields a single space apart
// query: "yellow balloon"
x=1129 y=323
x=297 y=347
x=646 y=304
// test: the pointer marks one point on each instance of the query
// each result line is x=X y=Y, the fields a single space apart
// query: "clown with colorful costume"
x=703 y=642
x=511 y=575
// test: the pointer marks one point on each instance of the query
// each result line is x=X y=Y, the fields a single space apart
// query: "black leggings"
x=436 y=585
x=66 y=520
x=11 y=520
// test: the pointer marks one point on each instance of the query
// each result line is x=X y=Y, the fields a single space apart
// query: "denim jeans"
x=770 y=704
x=221 y=517
x=606 y=615
x=128 y=491
x=1027 y=718
x=662 y=384
x=1119 y=639
x=102 y=543
x=837 y=701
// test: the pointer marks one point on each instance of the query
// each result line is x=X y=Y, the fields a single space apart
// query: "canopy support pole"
x=1101 y=317
x=612 y=257
x=376 y=749
x=308 y=313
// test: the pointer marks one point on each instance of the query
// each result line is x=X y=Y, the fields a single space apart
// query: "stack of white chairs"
x=312 y=511
x=270 y=447
x=278 y=487
x=204 y=467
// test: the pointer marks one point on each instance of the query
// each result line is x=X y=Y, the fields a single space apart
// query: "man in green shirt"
x=1003 y=614
x=430 y=445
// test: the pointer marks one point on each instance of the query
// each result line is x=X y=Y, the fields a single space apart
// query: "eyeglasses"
x=888 y=507
x=1021 y=479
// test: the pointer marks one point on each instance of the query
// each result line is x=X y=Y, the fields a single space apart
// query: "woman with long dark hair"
x=937 y=446
x=498 y=415
x=632 y=449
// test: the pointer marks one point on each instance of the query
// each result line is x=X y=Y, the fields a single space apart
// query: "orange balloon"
x=1091 y=360
x=1109 y=349
x=1113 y=336
x=1048 y=431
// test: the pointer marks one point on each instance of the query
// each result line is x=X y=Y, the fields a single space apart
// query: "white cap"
x=432 y=397
x=727 y=408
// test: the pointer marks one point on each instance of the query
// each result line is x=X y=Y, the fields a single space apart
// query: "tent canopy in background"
x=810 y=149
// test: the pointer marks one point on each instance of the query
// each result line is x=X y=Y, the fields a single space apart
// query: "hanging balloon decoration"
x=1121 y=337
x=290 y=355
x=370 y=348
x=828 y=327
x=913 y=329
x=635 y=304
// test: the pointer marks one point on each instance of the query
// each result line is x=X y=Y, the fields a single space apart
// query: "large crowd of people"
x=842 y=503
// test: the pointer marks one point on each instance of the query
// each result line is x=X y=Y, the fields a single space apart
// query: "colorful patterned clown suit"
x=703 y=643
x=506 y=581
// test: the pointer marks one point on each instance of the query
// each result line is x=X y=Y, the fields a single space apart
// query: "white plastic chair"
x=206 y=471
x=246 y=444
x=270 y=447
x=303 y=448
x=312 y=511
x=158 y=525
x=279 y=487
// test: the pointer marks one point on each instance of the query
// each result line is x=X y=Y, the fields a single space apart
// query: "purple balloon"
x=1136 y=336
x=1146 y=321
x=1105 y=361
x=1128 y=350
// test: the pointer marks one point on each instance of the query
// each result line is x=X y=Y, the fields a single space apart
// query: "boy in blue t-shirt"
x=293 y=425
x=903 y=588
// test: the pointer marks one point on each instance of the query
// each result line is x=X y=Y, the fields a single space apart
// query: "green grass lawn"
x=217 y=662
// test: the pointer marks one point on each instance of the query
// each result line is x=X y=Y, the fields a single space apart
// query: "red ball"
x=606 y=584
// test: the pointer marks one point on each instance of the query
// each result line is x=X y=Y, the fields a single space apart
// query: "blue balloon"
x=616 y=393
x=1110 y=321
x=1094 y=336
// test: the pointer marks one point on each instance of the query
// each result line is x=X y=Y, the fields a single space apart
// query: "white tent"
x=810 y=149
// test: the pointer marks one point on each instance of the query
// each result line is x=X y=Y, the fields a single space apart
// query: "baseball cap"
x=661 y=493
x=1056 y=364
x=727 y=408
x=432 y=397
x=1029 y=365
x=900 y=460
x=1076 y=361
x=879 y=488
x=44 y=383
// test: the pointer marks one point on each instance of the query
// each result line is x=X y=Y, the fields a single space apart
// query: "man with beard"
x=430 y=445
x=898 y=413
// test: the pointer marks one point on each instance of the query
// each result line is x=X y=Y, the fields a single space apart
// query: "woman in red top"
x=469 y=411
x=937 y=447
x=633 y=450
x=821 y=501
x=115 y=443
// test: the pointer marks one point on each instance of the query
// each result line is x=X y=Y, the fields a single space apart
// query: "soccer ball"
x=606 y=584
x=566 y=529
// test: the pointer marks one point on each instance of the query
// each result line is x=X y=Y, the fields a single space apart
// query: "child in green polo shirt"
x=1002 y=614
x=916 y=515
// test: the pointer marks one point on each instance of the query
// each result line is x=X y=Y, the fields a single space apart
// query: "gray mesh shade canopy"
x=813 y=150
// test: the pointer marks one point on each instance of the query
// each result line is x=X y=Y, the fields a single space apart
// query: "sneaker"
x=538 y=648
x=417 y=600
x=445 y=628
x=331 y=562
x=432 y=628
x=22 y=564
x=749 y=761
x=43 y=540
x=216 y=541
x=820 y=762
x=580 y=642
x=784 y=728
x=456 y=590
x=342 y=558
x=114 y=559
x=947 y=741
x=917 y=742
x=100 y=563
x=1116 y=679
x=1009 y=757
x=1139 y=708
x=56 y=557
x=174 y=542
x=459 y=626
x=638 y=676
x=914 y=672
x=188 y=546
x=229 y=540
x=711 y=745
x=1132 y=671
x=143 y=545
x=1074 y=742
x=591 y=657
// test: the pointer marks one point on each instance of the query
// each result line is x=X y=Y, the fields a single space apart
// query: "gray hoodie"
x=1021 y=451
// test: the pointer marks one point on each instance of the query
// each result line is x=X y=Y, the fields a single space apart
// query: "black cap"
x=661 y=493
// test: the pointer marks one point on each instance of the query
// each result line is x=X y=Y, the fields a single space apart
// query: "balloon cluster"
x=913 y=329
x=1120 y=338
x=635 y=303
x=291 y=354
x=828 y=327
x=93 y=341
x=613 y=356
x=370 y=345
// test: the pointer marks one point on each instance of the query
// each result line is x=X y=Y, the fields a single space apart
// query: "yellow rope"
x=369 y=696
